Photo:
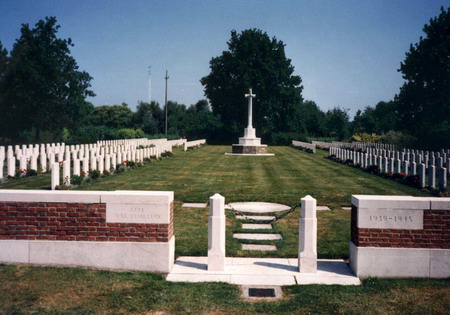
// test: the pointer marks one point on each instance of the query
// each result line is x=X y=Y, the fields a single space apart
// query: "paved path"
x=262 y=271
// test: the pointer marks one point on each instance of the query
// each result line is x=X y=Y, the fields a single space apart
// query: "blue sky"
x=347 y=52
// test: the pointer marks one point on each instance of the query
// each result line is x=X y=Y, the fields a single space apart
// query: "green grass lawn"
x=291 y=174
x=194 y=176
x=47 y=290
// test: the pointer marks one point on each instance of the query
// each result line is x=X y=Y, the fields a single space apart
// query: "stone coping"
x=401 y=202
x=259 y=207
x=262 y=271
x=118 y=196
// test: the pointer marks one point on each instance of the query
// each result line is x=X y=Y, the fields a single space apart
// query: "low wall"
x=194 y=143
x=400 y=236
x=130 y=230
x=304 y=145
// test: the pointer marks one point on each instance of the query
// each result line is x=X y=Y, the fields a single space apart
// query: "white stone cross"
x=250 y=96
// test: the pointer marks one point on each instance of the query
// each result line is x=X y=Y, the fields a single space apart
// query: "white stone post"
x=216 y=233
x=55 y=175
x=307 y=251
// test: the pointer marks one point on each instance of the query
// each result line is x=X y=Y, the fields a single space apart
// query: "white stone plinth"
x=216 y=233
x=307 y=252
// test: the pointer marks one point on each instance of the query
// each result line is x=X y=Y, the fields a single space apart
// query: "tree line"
x=43 y=97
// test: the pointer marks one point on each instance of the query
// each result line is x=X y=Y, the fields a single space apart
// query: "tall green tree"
x=43 y=89
x=149 y=117
x=112 y=116
x=423 y=103
x=337 y=123
x=254 y=60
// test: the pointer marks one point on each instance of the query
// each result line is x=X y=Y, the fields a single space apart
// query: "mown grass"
x=291 y=174
x=46 y=290
x=194 y=176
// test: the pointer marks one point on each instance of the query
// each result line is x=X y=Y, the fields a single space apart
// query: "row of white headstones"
x=101 y=156
x=408 y=162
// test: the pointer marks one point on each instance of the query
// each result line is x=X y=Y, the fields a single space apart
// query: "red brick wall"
x=435 y=233
x=73 y=222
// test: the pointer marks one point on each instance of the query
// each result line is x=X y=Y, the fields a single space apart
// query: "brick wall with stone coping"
x=435 y=233
x=74 y=222
x=400 y=236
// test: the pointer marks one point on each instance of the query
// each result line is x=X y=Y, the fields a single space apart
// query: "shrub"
x=95 y=174
x=373 y=169
x=398 y=176
x=348 y=162
x=76 y=180
x=166 y=154
x=105 y=173
x=412 y=180
x=121 y=168
x=32 y=172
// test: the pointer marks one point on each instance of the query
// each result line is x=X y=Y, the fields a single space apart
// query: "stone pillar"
x=216 y=233
x=307 y=251
x=55 y=175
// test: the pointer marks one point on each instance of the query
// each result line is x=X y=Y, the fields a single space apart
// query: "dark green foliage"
x=114 y=116
x=423 y=104
x=337 y=123
x=41 y=87
x=76 y=180
x=254 y=60
x=379 y=119
x=32 y=172
x=94 y=174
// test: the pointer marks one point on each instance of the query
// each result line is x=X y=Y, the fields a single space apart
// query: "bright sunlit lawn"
x=194 y=176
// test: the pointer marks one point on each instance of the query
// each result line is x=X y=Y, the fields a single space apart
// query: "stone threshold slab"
x=259 y=237
x=255 y=217
x=262 y=271
x=194 y=205
x=259 y=247
x=322 y=208
x=252 y=226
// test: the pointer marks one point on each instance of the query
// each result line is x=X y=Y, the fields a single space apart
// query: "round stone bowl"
x=259 y=207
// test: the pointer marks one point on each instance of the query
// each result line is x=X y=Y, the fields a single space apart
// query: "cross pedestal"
x=249 y=143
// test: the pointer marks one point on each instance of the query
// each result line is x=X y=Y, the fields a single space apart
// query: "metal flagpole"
x=165 y=128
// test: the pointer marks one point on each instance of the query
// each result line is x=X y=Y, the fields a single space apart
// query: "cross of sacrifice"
x=250 y=96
